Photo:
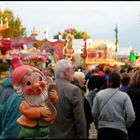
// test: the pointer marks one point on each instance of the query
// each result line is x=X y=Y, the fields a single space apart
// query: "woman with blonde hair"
x=79 y=80
x=134 y=94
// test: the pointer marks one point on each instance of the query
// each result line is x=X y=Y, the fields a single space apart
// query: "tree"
x=11 y=25
x=76 y=34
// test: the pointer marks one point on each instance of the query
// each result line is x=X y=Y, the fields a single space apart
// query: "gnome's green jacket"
x=9 y=111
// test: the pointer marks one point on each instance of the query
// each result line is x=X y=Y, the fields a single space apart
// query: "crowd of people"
x=106 y=96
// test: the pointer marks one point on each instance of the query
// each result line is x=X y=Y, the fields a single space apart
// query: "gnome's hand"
x=44 y=112
x=53 y=95
x=49 y=119
x=46 y=115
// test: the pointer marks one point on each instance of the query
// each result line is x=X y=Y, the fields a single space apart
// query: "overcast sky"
x=98 y=18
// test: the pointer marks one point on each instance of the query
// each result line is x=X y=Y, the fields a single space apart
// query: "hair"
x=135 y=79
x=125 y=78
x=96 y=70
x=122 y=70
x=49 y=68
x=61 y=66
x=114 y=80
x=107 y=71
x=101 y=67
x=129 y=69
x=77 y=77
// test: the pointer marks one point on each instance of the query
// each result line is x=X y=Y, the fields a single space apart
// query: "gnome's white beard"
x=36 y=100
x=33 y=100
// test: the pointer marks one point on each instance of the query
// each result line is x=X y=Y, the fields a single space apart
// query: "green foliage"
x=76 y=34
x=14 y=23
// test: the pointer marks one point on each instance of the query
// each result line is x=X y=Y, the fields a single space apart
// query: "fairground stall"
x=101 y=52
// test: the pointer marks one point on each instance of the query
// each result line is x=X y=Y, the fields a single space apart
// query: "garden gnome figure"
x=37 y=108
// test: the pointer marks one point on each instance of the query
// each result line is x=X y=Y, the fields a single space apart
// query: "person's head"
x=114 y=80
x=107 y=71
x=125 y=79
x=129 y=69
x=96 y=70
x=122 y=70
x=48 y=71
x=135 y=79
x=92 y=68
x=79 y=79
x=64 y=69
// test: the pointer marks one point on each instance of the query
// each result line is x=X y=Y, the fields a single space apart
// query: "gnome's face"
x=29 y=83
x=33 y=83
x=33 y=88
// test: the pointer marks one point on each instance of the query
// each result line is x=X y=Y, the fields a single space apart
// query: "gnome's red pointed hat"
x=19 y=70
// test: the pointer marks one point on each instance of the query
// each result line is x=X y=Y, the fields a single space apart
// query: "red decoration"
x=5 y=45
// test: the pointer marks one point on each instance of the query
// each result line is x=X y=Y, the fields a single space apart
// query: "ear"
x=66 y=73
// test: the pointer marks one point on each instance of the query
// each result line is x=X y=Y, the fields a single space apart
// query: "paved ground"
x=92 y=132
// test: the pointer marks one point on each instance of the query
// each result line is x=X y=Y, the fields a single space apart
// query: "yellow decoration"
x=68 y=51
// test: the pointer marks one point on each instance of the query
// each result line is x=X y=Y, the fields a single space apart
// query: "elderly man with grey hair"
x=70 y=122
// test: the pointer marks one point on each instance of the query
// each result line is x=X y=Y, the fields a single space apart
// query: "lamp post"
x=116 y=40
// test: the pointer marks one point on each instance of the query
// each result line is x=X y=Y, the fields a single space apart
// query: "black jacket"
x=95 y=81
x=87 y=109
x=134 y=94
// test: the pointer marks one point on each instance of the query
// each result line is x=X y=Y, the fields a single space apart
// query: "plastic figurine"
x=37 y=108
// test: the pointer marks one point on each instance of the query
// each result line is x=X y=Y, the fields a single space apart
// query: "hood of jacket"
x=7 y=82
